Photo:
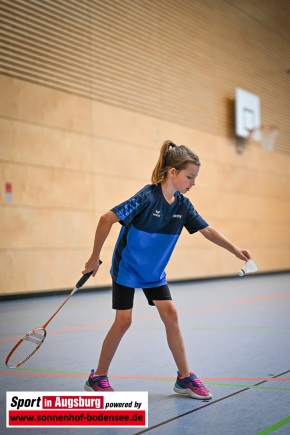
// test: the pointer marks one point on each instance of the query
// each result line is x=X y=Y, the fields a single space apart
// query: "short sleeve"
x=127 y=210
x=194 y=221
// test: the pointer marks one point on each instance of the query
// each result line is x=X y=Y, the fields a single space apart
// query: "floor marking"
x=275 y=426
x=236 y=302
x=58 y=331
x=182 y=311
x=209 y=381
x=248 y=386
x=149 y=378
x=204 y=406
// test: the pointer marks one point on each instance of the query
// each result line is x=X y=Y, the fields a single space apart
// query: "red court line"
x=77 y=328
x=181 y=311
x=236 y=302
x=147 y=378
x=57 y=331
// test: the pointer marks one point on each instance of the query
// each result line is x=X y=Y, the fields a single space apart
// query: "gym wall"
x=91 y=89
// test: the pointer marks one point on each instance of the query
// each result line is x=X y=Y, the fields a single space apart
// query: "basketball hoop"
x=266 y=135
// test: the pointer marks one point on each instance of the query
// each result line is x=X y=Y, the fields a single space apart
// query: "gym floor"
x=236 y=332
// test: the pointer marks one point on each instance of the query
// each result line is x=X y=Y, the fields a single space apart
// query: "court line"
x=58 y=331
x=205 y=406
x=236 y=302
x=182 y=311
x=23 y=370
x=209 y=381
x=218 y=384
x=275 y=426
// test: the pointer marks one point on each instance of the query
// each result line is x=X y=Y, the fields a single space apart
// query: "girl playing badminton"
x=152 y=221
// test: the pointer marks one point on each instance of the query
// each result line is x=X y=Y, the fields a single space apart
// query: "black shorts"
x=123 y=297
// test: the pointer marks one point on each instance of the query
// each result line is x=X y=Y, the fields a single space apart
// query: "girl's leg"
x=121 y=324
x=169 y=317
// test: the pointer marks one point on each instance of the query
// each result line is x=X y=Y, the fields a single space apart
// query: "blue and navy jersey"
x=150 y=229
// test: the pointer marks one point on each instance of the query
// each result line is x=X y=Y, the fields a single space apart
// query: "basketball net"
x=267 y=136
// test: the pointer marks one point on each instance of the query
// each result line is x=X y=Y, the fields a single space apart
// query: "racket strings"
x=34 y=337
x=29 y=344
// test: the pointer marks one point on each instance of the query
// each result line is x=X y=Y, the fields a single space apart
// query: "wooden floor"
x=237 y=335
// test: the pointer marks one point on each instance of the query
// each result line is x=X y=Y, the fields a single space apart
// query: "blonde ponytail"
x=172 y=156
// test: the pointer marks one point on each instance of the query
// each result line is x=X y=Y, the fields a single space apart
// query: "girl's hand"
x=92 y=264
x=243 y=254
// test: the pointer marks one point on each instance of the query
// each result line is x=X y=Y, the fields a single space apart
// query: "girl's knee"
x=170 y=315
x=123 y=322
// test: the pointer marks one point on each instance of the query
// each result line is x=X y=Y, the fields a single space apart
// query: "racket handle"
x=85 y=277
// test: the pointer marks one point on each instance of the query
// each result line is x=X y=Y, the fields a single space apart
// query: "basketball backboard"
x=247 y=116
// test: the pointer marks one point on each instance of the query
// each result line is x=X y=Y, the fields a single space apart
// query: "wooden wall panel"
x=89 y=91
x=177 y=61
x=42 y=146
x=49 y=188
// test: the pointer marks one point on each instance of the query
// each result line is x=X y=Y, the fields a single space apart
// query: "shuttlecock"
x=249 y=267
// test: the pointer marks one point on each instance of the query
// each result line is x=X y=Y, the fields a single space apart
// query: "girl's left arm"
x=215 y=236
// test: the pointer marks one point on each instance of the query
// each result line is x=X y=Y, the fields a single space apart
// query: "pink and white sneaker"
x=97 y=383
x=191 y=386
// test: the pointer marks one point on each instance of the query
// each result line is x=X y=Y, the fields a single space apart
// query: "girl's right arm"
x=103 y=229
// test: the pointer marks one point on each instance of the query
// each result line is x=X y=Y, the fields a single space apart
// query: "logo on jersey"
x=157 y=213
x=178 y=216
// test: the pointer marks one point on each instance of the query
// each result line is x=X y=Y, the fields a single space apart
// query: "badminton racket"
x=249 y=267
x=32 y=340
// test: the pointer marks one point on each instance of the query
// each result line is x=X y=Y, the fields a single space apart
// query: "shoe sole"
x=87 y=387
x=188 y=392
